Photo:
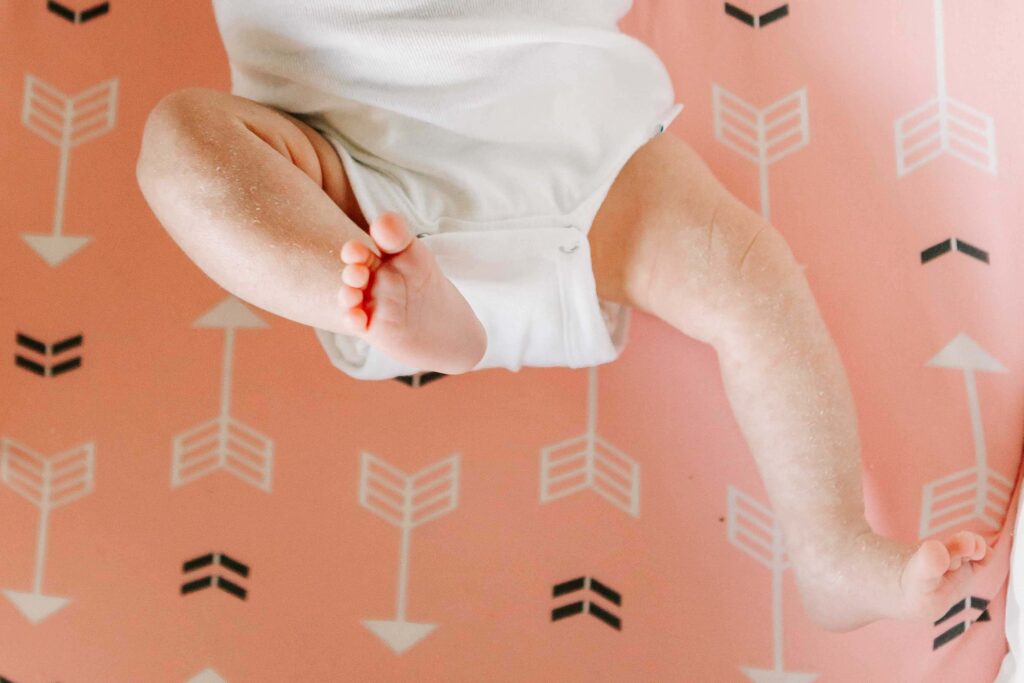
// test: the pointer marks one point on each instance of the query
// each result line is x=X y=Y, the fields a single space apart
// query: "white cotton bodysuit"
x=495 y=127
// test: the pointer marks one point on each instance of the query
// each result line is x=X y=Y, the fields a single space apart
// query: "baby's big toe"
x=391 y=233
x=925 y=568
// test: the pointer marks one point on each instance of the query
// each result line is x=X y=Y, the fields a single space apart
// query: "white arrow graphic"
x=977 y=492
x=224 y=442
x=207 y=676
x=407 y=501
x=753 y=529
x=47 y=483
x=762 y=135
x=589 y=462
x=65 y=121
x=943 y=125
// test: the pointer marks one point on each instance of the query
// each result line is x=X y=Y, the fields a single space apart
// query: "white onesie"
x=495 y=127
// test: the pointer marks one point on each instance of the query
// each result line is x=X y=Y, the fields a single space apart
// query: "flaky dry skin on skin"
x=259 y=201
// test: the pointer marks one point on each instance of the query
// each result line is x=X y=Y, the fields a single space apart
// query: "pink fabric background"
x=694 y=606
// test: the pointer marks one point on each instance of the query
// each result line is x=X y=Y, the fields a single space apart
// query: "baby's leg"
x=672 y=241
x=260 y=202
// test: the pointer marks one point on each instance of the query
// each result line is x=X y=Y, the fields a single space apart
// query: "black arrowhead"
x=574 y=608
x=420 y=379
x=972 y=251
x=606 y=616
x=774 y=15
x=757 y=22
x=93 y=12
x=734 y=11
x=954 y=610
x=945 y=246
x=78 y=17
x=949 y=635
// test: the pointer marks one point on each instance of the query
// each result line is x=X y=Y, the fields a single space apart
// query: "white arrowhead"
x=766 y=676
x=399 y=635
x=54 y=248
x=963 y=353
x=229 y=313
x=35 y=606
x=207 y=676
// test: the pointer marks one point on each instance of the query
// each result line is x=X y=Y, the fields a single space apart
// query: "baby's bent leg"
x=255 y=197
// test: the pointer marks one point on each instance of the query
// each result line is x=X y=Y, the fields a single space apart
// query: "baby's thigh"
x=210 y=114
x=672 y=241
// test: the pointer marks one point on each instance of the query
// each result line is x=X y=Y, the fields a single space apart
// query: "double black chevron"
x=420 y=378
x=205 y=582
x=757 y=21
x=957 y=630
x=946 y=246
x=581 y=606
x=48 y=366
x=81 y=16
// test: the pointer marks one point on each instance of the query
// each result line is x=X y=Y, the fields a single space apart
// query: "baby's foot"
x=849 y=584
x=938 y=574
x=402 y=304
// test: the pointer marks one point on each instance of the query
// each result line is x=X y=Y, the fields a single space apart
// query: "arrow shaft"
x=592 y=401
x=763 y=179
x=62 y=175
x=981 y=457
x=777 y=570
x=403 y=571
x=225 y=374
x=44 y=521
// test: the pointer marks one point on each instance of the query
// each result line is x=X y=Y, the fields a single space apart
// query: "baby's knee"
x=172 y=130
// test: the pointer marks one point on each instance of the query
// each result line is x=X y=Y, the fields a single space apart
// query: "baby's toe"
x=356 y=319
x=926 y=566
x=355 y=275
x=356 y=252
x=391 y=233
x=350 y=296
x=966 y=544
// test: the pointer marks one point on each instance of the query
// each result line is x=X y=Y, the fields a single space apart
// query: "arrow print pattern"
x=47 y=483
x=65 y=121
x=214 y=580
x=764 y=136
x=224 y=443
x=48 y=366
x=944 y=247
x=588 y=461
x=977 y=492
x=587 y=606
x=80 y=16
x=958 y=629
x=752 y=528
x=943 y=125
x=755 y=20
x=406 y=501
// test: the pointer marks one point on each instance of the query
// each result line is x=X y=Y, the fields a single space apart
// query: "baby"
x=488 y=177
